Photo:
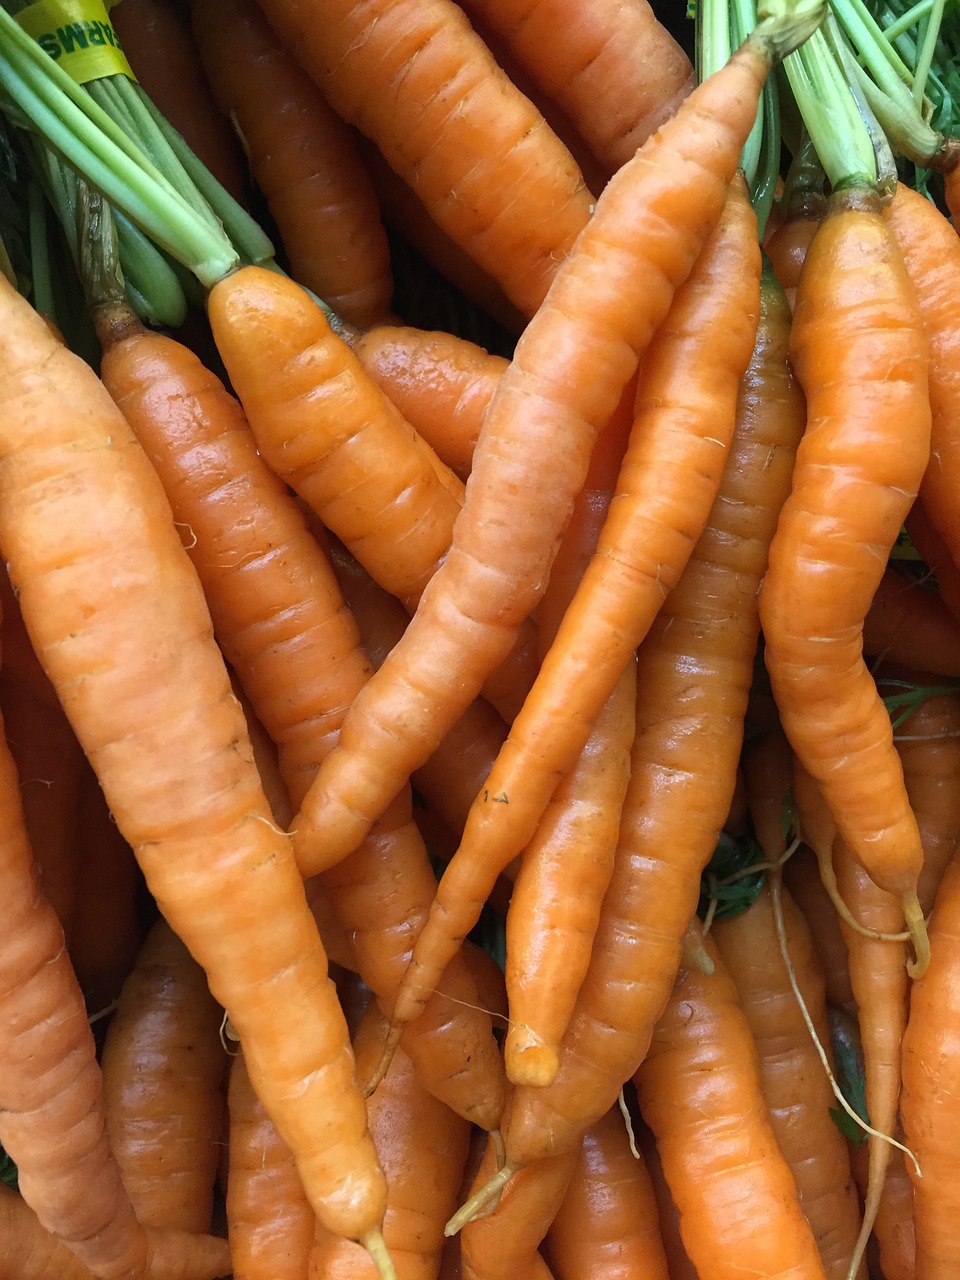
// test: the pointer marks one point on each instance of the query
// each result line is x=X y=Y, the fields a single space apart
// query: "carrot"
x=802 y=878
x=362 y=469
x=159 y=48
x=282 y=621
x=494 y=573
x=31 y=1253
x=930 y=1082
x=49 y=763
x=935 y=553
x=880 y=983
x=607 y=1227
x=302 y=158
x=163 y=1064
x=908 y=623
x=690 y=394
x=270 y=1223
x=846 y=503
x=423 y=1147
x=792 y=1078
x=441 y=384
x=684 y=763
x=615 y=70
x=699 y=1091
x=504 y=1244
x=679 y=1265
x=448 y=121
x=107 y=931
x=169 y=745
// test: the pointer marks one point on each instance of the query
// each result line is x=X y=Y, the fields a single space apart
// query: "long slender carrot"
x=792 y=1078
x=847 y=502
x=302 y=158
x=607 y=1227
x=699 y=1091
x=933 y=550
x=417 y=80
x=684 y=763
x=167 y=739
x=689 y=389
x=616 y=71
x=163 y=1064
x=441 y=384
x=281 y=619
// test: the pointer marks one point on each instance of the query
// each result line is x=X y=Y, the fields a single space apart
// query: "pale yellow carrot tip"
x=528 y=1060
x=917 y=928
x=383 y=1065
x=474 y=1207
x=693 y=954
x=828 y=879
x=376 y=1246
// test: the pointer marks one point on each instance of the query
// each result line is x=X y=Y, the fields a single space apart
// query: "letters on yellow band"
x=78 y=35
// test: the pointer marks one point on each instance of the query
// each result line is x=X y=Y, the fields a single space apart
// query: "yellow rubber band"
x=79 y=36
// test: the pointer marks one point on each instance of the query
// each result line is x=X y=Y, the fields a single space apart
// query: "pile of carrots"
x=480 y=765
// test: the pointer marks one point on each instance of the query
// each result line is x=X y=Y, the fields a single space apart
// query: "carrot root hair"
x=376 y=1247
x=383 y=1065
x=917 y=928
x=473 y=1208
x=829 y=880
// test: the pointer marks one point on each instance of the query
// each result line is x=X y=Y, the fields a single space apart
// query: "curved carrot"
x=545 y=414
x=169 y=745
x=270 y=1223
x=792 y=1078
x=163 y=1063
x=418 y=81
x=607 y=1227
x=616 y=71
x=282 y=621
x=163 y=55
x=423 y=1147
x=843 y=516
x=302 y=158
x=687 y=399
x=684 y=762
x=699 y=1091
x=441 y=384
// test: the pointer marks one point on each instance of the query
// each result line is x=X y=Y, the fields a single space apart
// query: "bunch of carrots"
x=480 y=677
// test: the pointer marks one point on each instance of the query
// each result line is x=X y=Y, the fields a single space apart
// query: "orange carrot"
x=679 y=1265
x=450 y=123
x=907 y=622
x=270 y=1223
x=792 y=1078
x=847 y=502
x=802 y=878
x=935 y=553
x=423 y=1147
x=169 y=745
x=699 y=1091
x=687 y=398
x=441 y=384
x=607 y=1227
x=614 y=69
x=302 y=158
x=163 y=1064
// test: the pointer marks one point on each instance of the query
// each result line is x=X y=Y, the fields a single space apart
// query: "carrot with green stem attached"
x=861 y=354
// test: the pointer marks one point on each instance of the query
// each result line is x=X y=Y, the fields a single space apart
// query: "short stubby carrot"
x=861 y=355
x=565 y=379
x=93 y=551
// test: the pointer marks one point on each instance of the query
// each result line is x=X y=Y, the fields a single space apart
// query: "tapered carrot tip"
x=383 y=1065
x=528 y=1060
x=376 y=1246
x=917 y=928
x=478 y=1202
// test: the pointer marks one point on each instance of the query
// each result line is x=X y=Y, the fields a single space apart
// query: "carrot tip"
x=917 y=927
x=386 y=1057
x=473 y=1208
x=376 y=1246
x=528 y=1060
